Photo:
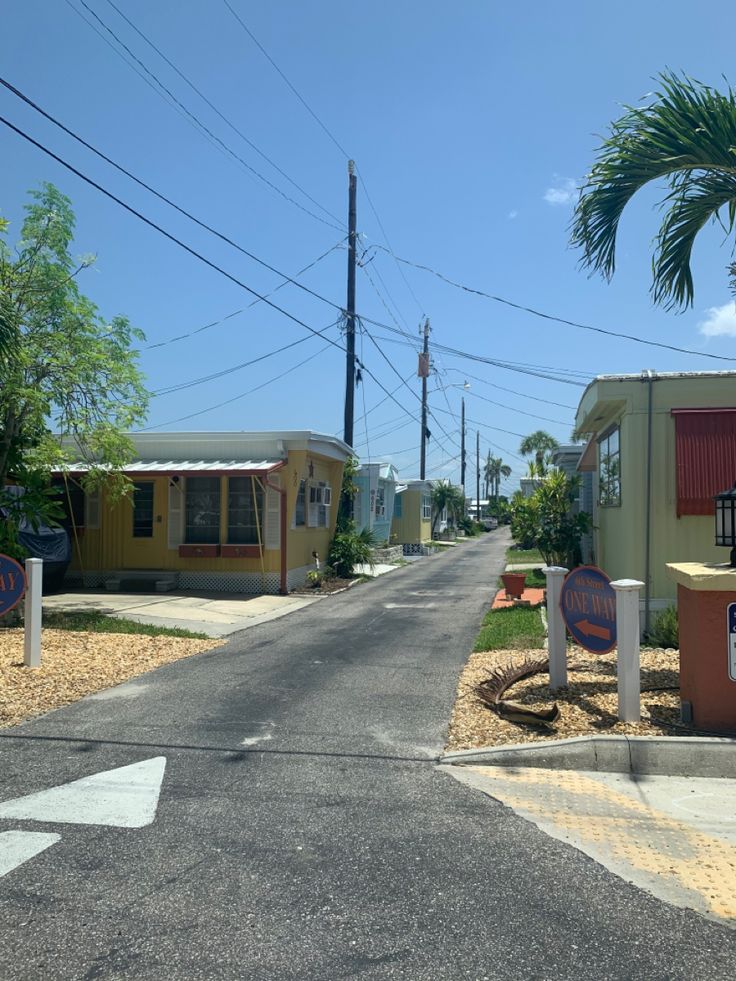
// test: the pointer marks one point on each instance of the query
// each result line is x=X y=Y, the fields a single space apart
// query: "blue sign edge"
x=16 y=563
x=587 y=568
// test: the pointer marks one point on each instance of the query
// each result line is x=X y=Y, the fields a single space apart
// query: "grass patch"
x=99 y=623
x=515 y=627
x=514 y=555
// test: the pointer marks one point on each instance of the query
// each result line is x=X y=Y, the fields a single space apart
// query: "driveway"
x=214 y=614
x=274 y=810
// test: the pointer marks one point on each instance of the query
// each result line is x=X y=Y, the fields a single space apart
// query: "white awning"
x=400 y=488
x=185 y=466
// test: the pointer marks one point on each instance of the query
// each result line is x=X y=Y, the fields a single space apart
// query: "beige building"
x=412 y=519
x=661 y=446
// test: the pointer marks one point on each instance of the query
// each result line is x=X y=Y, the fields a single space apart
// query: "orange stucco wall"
x=704 y=680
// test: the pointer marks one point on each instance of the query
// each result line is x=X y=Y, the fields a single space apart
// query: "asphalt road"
x=303 y=830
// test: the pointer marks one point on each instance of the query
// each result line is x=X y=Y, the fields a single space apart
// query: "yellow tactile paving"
x=655 y=851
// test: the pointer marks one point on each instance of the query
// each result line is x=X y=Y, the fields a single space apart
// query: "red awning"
x=705 y=441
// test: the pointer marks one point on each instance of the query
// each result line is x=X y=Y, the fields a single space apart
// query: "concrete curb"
x=682 y=756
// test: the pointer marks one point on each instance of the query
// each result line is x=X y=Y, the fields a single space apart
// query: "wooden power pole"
x=350 y=324
x=424 y=372
x=477 y=475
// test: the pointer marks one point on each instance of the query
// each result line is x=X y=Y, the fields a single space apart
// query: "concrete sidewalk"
x=674 y=837
x=214 y=614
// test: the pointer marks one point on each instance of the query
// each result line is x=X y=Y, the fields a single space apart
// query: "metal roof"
x=187 y=466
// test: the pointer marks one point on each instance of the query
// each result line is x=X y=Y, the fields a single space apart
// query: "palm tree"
x=488 y=473
x=504 y=470
x=446 y=497
x=685 y=137
x=540 y=444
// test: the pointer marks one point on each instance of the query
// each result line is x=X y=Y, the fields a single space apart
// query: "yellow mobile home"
x=237 y=512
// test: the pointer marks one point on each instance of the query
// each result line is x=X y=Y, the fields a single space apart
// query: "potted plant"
x=513 y=583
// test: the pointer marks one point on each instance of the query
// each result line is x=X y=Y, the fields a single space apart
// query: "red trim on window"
x=705 y=452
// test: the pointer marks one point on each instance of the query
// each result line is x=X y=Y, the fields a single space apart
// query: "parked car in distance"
x=490 y=524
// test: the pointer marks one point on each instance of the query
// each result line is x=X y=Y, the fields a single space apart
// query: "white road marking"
x=408 y=606
x=252 y=740
x=126 y=797
x=16 y=847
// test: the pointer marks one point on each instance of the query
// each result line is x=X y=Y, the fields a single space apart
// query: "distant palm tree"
x=495 y=469
x=685 y=137
x=489 y=473
x=446 y=497
x=541 y=445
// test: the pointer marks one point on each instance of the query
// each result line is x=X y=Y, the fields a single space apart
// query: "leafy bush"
x=546 y=520
x=665 y=631
x=350 y=548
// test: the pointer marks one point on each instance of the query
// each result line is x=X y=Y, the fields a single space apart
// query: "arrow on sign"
x=593 y=630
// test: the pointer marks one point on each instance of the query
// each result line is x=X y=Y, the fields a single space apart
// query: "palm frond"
x=688 y=128
x=691 y=206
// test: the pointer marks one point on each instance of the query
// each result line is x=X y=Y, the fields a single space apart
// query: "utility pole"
x=477 y=475
x=424 y=372
x=462 y=446
x=350 y=324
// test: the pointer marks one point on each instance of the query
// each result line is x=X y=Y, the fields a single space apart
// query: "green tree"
x=548 y=521
x=66 y=372
x=349 y=547
x=686 y=138
x=447 y=497
x=541 y=444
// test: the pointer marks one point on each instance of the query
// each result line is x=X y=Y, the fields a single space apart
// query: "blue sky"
x=470 y=123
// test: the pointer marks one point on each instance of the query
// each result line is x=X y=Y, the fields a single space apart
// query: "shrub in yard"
x=546 y=520
x=350 y=548
x=665 y=631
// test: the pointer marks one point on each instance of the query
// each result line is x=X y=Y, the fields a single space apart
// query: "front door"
x=143 y=535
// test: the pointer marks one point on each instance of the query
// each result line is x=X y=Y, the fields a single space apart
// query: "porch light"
x=726 y=521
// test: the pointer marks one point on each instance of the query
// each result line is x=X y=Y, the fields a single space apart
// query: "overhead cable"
x=197 y=122
x=217 y=111
x=187 y=248
x=548 y=316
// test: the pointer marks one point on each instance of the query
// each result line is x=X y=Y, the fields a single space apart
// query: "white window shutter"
x=92 y=509
x=176 y=513
x=272 y=520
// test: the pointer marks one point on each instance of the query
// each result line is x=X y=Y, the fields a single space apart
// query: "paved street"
x=282 y=816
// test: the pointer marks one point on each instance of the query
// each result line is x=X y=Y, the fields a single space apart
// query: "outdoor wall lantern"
x=726 y=521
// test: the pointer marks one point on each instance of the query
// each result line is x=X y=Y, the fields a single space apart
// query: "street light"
x=726 y=521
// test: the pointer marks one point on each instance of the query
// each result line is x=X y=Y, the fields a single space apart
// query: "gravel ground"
x=77 y=664
x=588 y=704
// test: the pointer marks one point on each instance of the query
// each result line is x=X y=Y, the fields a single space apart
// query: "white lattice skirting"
x=220 y=582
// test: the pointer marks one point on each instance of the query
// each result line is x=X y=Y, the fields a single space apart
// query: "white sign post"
x=627 y=632
x=556 y=627
x=33 y=611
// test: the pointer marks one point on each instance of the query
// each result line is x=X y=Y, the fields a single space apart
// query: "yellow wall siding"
x=113 y=546
x=411 y=528
x=620 y=532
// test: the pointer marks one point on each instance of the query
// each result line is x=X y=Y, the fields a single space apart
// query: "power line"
x=235 y=313
x=511 y=391
x=330 y=135
x=235 y=398
x=512 y=408
x=303 y=101
x=196 y=121
x=238 y=367
x=186 y=248
x=158 y=194
x=548 y=316
x=219 y=234
x=214 y=108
